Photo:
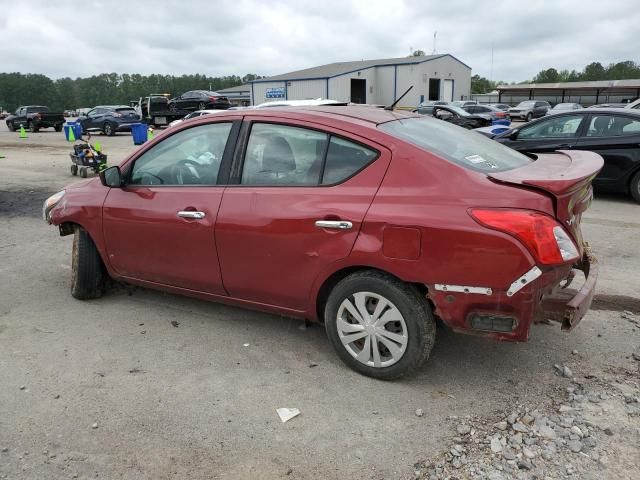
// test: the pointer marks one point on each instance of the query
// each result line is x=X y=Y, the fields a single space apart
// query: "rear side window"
x=564 y=126
x=126 y=111
x=292 y=156
x=612 y=126
x=345 y=158
x=468 y=149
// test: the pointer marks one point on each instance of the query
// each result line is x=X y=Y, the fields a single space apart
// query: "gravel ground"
x=144 y=385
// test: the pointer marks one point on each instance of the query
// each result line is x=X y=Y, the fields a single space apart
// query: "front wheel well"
x=336 y=277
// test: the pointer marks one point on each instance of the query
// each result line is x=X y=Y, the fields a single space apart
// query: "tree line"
x=18 y=89
x=594 y=71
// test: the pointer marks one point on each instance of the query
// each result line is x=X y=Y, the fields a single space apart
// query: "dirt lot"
x=113 y=389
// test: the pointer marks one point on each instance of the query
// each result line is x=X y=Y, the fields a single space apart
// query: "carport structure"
x=585 y=93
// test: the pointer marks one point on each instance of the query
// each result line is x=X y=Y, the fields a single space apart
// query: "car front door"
x=92 y=119
x=301 y=196
x=159 y=227
x=617 y=139
x=558 y=132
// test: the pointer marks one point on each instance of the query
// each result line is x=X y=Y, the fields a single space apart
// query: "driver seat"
x=277 y=157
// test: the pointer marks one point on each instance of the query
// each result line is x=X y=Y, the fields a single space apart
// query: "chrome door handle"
x=191 y=214
x=335 y=224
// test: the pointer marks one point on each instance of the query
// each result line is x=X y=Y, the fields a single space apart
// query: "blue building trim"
x=395 y=82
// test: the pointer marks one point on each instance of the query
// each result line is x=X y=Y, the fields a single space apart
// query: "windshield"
x=564 y=106
x=525 y=104
x=468 y=149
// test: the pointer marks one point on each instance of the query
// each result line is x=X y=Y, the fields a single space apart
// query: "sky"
x=270 y=37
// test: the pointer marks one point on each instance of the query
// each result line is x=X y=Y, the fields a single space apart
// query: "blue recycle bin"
x=77 y=130
x=139 y=133
x=501 y=122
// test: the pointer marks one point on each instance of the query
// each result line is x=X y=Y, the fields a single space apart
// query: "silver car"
x=529 y=109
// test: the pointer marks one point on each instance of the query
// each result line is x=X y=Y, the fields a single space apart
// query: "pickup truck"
x=34 y=118
x=154 y=110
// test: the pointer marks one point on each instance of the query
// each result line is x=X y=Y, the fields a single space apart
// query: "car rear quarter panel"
x=424 y=192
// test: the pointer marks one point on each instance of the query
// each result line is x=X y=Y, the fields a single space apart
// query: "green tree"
x=549 y=75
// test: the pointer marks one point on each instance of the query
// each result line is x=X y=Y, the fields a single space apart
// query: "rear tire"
x=11 y=126
x=74 y=169
x=83 y=172
x=398 y=346
x=108 y=129
x=87 y=270
x=634 y=187
x=202 y=106
x=529 y=117
x=58 y=128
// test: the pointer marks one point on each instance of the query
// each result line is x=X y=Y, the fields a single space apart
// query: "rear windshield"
x=468 y=149
x=526 y=104
x=37 y=109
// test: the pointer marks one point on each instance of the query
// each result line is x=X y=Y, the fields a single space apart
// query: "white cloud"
x=228 y=37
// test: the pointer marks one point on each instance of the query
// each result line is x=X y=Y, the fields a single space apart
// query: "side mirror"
x=514 y=134
x=111 y=177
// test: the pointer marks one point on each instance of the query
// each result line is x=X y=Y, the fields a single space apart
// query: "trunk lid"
x=566 y=176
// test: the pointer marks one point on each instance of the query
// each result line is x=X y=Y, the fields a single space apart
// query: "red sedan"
x=371 y=221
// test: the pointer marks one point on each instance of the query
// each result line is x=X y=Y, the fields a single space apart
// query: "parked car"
x=196 y=114
x=154 y=109
x=529 y=109
x=35 y=117
x=463 y=103
x=563 y=107
x=460 y=117
x=199 y=100
x=633 y=105
x=494 y=112
x=344 y=215
x=426 y=108
x=109 y=119
x=612 y=133
x=502 y=106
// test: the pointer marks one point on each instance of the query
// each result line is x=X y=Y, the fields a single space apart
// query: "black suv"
x=109 y=119
x=199 y=100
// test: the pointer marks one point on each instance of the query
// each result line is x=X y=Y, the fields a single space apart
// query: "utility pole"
x=434 y=43
x=491 y=71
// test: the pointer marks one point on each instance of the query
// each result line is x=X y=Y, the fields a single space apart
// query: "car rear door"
x=616 y=137
x=301 y=195
x=557 y=132
x=159 y=227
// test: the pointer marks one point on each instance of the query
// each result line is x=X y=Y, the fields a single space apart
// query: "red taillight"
x=213 y=99
x=541 y=234
x=501 y=114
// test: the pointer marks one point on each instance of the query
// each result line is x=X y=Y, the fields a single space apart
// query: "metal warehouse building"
x=433 y=77
x=585 y=93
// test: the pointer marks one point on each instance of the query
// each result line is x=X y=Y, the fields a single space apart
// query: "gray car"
x=529 y=109
x=563 y=107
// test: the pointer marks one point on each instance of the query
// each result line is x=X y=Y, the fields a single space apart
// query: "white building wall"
x=260 y=91
x=340 y=87
x=306 y=89
x=383 y=89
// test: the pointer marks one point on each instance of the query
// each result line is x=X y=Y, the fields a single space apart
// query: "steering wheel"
x=186 y=172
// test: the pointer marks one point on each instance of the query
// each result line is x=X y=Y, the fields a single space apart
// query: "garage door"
x=448 y=91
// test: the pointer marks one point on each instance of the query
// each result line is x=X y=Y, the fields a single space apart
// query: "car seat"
x=277 y=159
x=600 y=126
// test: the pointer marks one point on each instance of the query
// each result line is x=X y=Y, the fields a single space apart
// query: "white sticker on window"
x=475 y=159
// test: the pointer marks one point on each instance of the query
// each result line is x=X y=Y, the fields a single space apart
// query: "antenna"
x=390 y=107
x=434 y=43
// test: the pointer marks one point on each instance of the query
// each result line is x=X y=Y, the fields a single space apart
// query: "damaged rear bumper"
x=568 y=306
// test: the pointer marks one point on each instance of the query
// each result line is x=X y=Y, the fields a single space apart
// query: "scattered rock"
x=419 y=412
x=464 y=429
x=527 y=452
x=574 y=352
x=576 y=430
x=575 y=446
x=636 y=356
x=312 y=365
x=94 y=425
x=22 y=387
x=501 y=425
x=5 y=449
x=175 y=323
x=56 y=396
x=496 y=446
x=520 y=427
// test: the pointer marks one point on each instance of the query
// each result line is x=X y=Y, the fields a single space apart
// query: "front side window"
x=555 y=127
x=468 y=149
x=283 y=155
x=612 y=126
x=190 y=157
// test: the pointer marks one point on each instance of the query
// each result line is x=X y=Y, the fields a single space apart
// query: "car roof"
x=351 y=113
